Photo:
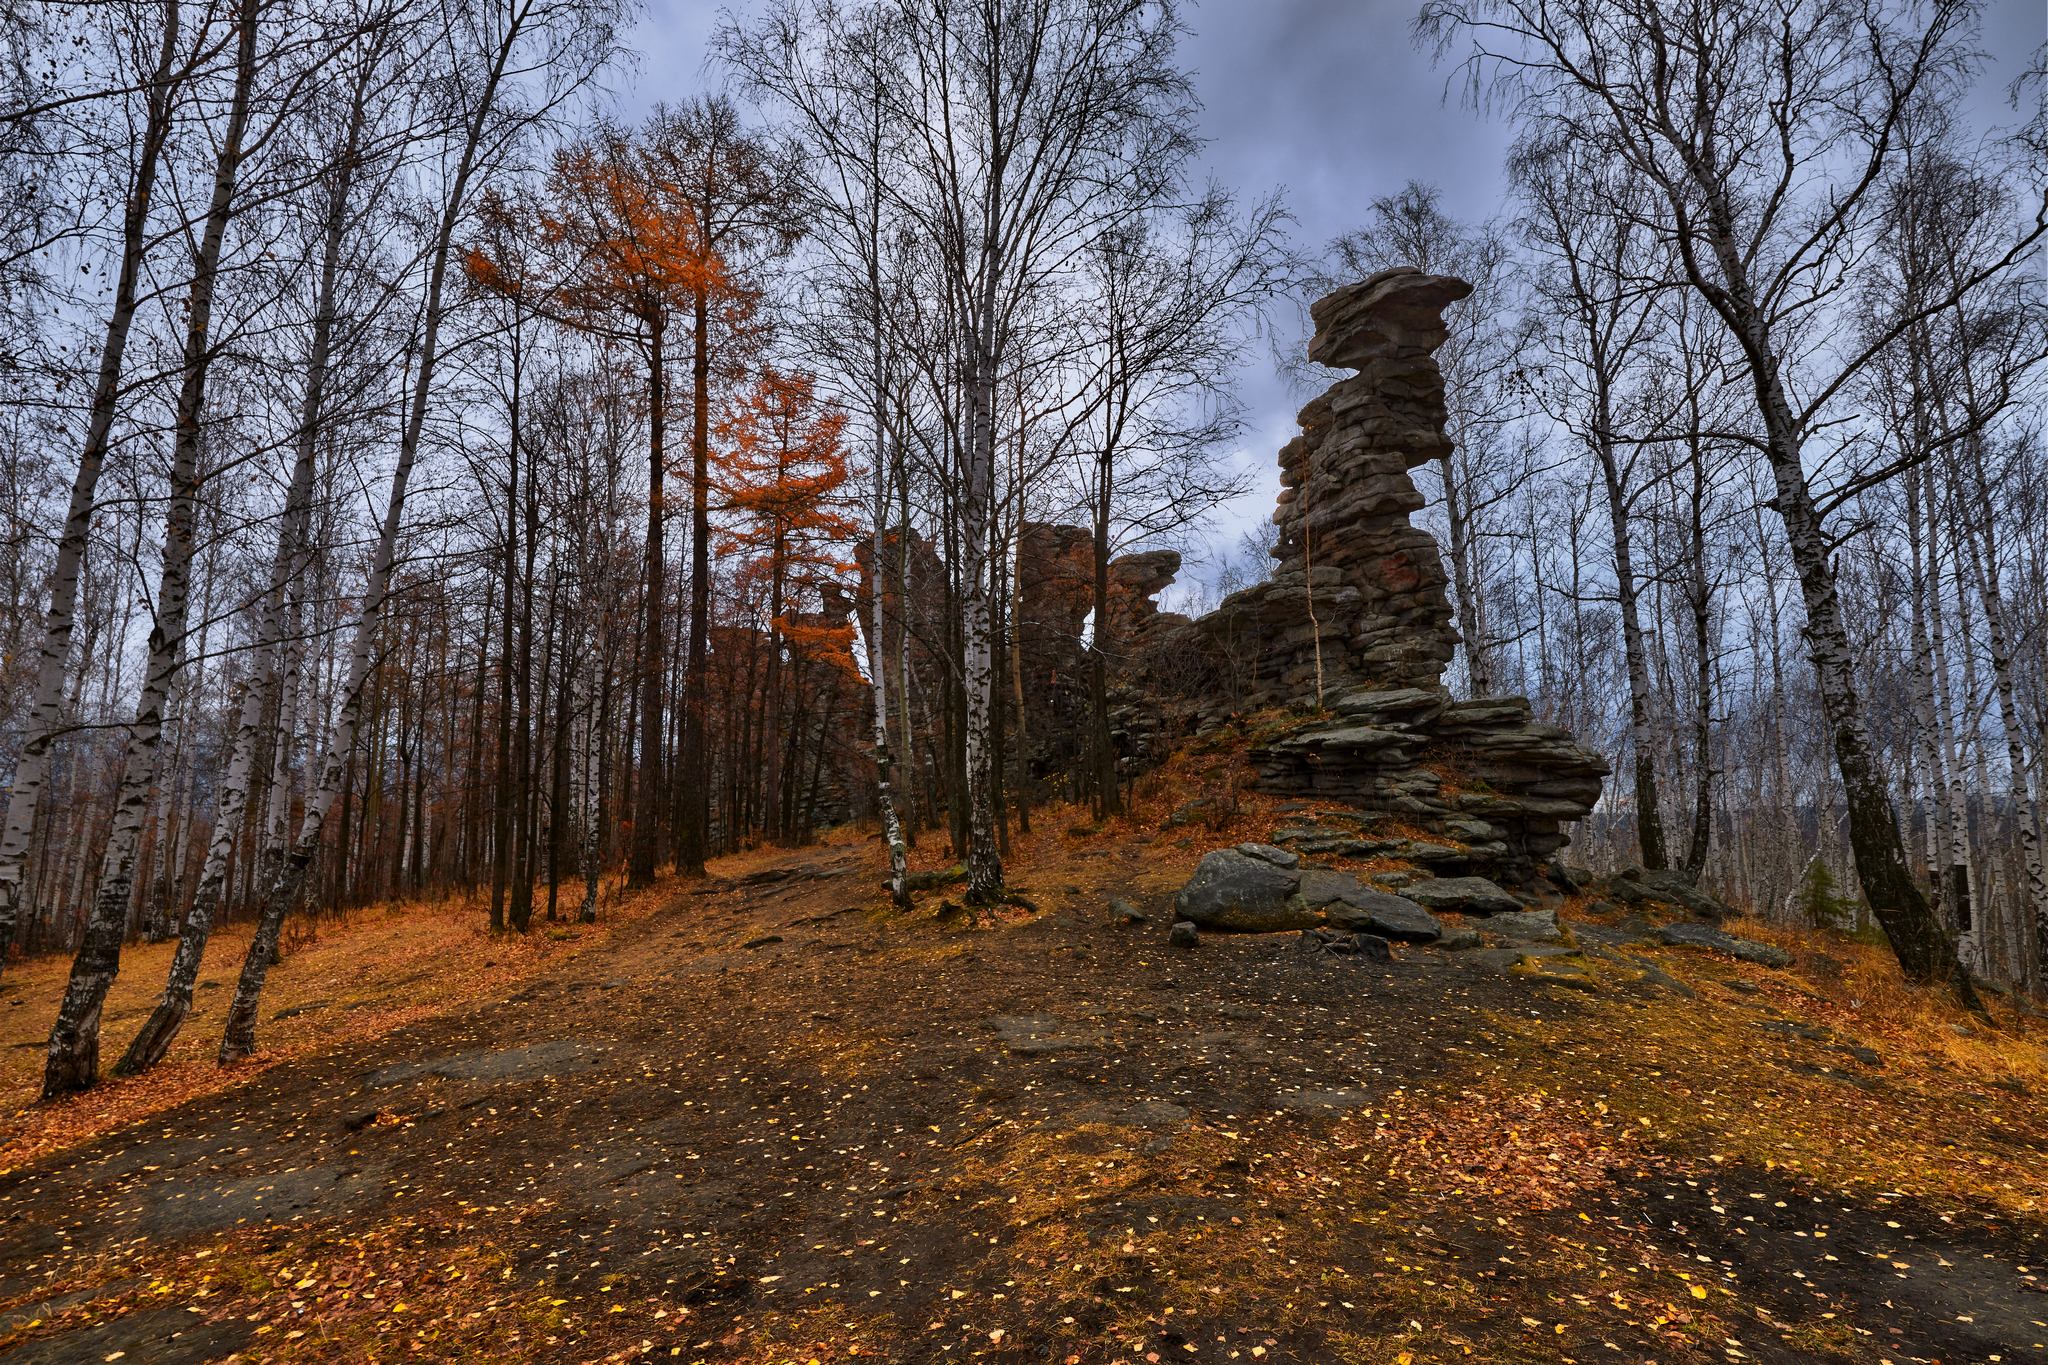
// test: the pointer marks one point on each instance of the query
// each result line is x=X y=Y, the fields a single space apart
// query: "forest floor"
x=772 y=1120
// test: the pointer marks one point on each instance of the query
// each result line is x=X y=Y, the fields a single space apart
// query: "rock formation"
x=1358 y=595
x=1351 y=633
x=1355 y=617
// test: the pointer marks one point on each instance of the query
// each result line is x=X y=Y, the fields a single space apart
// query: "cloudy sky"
x=1327 y=100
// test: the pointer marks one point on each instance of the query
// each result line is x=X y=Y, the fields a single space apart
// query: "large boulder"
x=1233 y=889
x=1464 y=895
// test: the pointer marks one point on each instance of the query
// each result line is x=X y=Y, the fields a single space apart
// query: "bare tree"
x=370 y=73
x=557 y=44
x=1764 y=134
x=163 y=58
x=73 y=1060
x=1172 y=291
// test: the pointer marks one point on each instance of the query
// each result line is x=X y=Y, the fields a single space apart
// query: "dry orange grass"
x=1869 y=996
x=342 y=980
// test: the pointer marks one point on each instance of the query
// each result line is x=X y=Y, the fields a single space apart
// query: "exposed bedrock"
x=1358 y=593
x=1356 y=616
x=1484 y=776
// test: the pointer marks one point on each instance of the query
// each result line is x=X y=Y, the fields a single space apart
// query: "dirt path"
x=773 y=1124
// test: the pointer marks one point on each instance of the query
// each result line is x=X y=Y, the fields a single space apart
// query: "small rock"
x=1323 y=941
x=1527 y=926
x=1460 y=942
x=1571 y=876
x=1394 y=917
x=1372 y=948
x=1184 y=934
x=1653 y=975
x=1123 y=912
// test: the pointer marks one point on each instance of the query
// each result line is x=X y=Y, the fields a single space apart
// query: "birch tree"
x=164 y=57
x=510 y=63
x=1596 y=313
x=1764 y=132
x=369 y=75
x=1026 y=128
x=73 y=1059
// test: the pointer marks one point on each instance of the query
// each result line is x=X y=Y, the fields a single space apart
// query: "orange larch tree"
x=626 y=256
x=782 y=480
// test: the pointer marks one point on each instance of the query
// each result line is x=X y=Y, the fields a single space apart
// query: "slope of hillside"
x=778 y=1122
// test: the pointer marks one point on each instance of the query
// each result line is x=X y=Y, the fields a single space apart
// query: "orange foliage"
x=782 y=471
x=631 y=241
x=615 y=234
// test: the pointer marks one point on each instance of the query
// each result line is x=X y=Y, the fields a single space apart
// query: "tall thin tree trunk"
x=172 y=1007
x=875 y=638
x=1108 y=793
x=1984 y=564
x=646 y=846
x=1918 y=938
x=239 y=1037
x=74 y=1049
x=1955 y=892
x=984 y=861
x=46 y=711
x=1642 y=742
x=1464 y=585
x=691 y=839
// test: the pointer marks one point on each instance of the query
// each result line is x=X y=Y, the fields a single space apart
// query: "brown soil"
x=780 y=1123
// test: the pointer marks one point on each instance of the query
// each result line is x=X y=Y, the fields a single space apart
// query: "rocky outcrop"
x=1643 y=888
x=1358 y=595
x=1355 y=624
x=1495 y=782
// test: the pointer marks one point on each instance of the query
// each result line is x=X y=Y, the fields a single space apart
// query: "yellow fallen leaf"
x=1699 y=1291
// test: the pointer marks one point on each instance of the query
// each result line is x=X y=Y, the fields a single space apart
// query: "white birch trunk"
x=1984 y=563
x=1649 y=815
x=1955 y=830
x=268 y=644
x=239 y=1038
x=73 y=1061
x=877 y=633
x=46 y=712
x=984 y=862
x=1927 y=723
x=1922 y=944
